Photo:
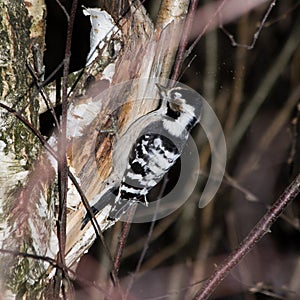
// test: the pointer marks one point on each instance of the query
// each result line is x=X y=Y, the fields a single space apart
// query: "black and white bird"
x=162 y=135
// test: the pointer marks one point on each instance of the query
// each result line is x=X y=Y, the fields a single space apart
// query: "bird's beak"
x=161 y=89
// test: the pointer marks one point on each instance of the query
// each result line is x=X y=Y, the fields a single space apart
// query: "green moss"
x=26 y=275
x=23 y=274
x=15 y=81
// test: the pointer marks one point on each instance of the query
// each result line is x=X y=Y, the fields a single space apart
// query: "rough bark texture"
x=20 y=33
x=147 y=53
x=27 y=182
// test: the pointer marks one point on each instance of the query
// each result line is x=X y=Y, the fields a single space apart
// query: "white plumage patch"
x=177 y=127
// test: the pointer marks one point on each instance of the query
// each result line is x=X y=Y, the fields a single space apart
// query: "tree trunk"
x=24 y=221
x=29 y=243
x=35 y=255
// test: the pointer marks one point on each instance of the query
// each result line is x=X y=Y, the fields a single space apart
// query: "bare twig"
x=139 y=244
x=235 y=184
x=264 y=142
x=234 y=43
x=45 y=96
x=211 y=65
x=208 y=24
x=284 y=15
x=30 y=127
x=72 y=178
x=240 y=73
x=181 y=55
x=264 y=88
x=63 y=9
x=295 y=133
x=55 y=264
x=122 y=240
x=147 y=242
x=121 y=246
x=256 y=234
x=62 y=158
x=62 y=162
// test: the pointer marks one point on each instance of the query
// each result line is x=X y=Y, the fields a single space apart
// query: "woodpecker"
x=159 y=145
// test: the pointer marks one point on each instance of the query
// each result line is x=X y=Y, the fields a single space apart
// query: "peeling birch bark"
x=28 y=189
x=148 y=53
x=25 y=214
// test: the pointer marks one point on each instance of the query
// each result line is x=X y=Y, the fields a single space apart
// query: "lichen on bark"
x=15 y=80
x=19 y=148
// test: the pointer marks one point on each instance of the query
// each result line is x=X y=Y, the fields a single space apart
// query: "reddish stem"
x=181 y=55
x=255 y=235
x=62 y=162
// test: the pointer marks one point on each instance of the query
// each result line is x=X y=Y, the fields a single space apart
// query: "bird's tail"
x=106 y=197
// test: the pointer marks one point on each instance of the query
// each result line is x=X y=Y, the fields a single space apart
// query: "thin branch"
x=181 y=55
x=256 y=234
x=264 y=89
x=211 y=66
x=295 y=133
x=234 y=43
x=264 y=141
x=235 y=184
x=122 y=242
x=139 y=244
x=51 y=76
x=31 y=128
x=148 y=239
x=45 y=96
x=121 y=246
x=62 y=146
x=205 y=28
x=95 y=225
x=64 y=10
x=283 y=15
x=84 y=200
x=240 y=72
x=55 y=264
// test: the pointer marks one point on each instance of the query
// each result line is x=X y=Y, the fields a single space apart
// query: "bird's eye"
x=175 y=94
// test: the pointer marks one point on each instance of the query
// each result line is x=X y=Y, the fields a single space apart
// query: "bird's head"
x=184 y=105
